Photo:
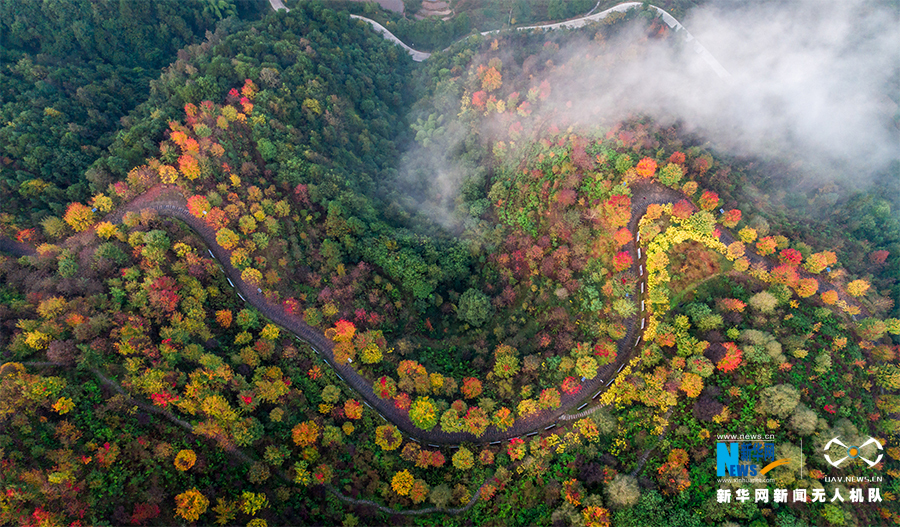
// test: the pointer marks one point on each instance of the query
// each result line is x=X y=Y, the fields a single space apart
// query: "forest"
x=263 y=269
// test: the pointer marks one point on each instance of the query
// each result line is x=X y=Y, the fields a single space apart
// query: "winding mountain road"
x=168 y=201
x=672 y=22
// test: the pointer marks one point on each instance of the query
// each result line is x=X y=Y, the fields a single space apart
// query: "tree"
x=306 y=433
x=492 y=79
x=474 y=307
x=549 y=399
x=622 y=236
x=807 y=287
x=388 y=437
x=790 y=256
x=571 y=385
x=353 y=409
x=803 y=420
x=440 y=495
x=227 y=238
x=623 y=491
x=731 y=218
x=79 y=217
x=223 y=317
x=764 y=302
x=471 y=388
x=506 y=366
x=463 y=459
x=198 y=206
x=818 y=262
x=682 y=209
x=617 y=210
x=709 y=200
x=586 y=367
x=829 y=297
x=252 y=276
x=476 y=421
x=671 y=175
x=185 y=460
x=516 y=449
x=402 y=482
x=479 y=99
x=646 y=168
x=857 y=288
x=765 y=246
x=784 y=274
x=190 y=504
x=691 y=384
x=779 y=400
x=871 y=328
x=419 y=491
x=503 y=419
x=423 y=413
x=732 y=358
x=451 y=422
x=622 y=261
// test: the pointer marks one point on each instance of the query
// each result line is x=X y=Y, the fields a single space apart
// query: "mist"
x=812 y=82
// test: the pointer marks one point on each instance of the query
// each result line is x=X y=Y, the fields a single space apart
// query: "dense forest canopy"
x=262 y=268
x=72 y=71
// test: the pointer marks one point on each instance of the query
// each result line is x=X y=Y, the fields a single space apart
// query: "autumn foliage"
x=622 y=261
x=402 y=482
x=709 y=200
x=732 y=359
x=305 y=433
x=646 y=167
x=191 y=504
x=79 y=217
x=185 y=460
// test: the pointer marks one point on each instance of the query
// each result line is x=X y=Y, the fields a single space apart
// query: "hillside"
x=315 y=283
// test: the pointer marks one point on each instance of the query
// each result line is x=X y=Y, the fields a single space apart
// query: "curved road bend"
x=168 y=201
x=176 y=208
x=574 y=23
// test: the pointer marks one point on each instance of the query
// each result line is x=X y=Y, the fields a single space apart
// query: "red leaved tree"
x=732 y=359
